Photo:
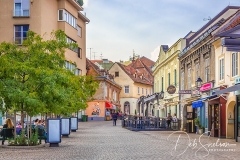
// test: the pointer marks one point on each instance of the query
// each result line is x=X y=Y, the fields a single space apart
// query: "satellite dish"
x=207 y=19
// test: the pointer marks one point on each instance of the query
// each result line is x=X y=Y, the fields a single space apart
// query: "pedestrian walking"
x=114 y=117
x=169 y=119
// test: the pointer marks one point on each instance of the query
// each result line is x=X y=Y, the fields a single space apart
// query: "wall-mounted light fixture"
x=31 y=1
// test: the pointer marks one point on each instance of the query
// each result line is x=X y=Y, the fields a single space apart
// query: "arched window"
x=127 y=107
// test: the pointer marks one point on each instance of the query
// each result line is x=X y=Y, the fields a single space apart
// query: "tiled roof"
x=139 y=70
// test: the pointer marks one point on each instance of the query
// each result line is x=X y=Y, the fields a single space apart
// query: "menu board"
x=65 y=126
x=74 y=123
x=54 y=131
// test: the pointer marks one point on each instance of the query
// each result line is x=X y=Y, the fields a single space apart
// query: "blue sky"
x=117 y=27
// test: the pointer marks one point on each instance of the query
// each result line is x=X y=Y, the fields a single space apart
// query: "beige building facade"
x=166 y=76
x=135 y=80
x=43 y=17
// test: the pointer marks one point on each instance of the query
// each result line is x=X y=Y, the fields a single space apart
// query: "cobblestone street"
x=101 y=140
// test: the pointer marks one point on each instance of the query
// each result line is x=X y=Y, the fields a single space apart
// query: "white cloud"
x=155 y=53
x=85 y=3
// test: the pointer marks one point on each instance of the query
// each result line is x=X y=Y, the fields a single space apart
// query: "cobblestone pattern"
x=102 y=141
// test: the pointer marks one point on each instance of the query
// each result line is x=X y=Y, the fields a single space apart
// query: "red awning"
x=108 y=105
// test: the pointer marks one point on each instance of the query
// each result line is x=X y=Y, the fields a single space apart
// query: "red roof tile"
x=142 y=68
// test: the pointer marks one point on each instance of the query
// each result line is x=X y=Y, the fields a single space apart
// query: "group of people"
x=171 y=119
x=38 y=123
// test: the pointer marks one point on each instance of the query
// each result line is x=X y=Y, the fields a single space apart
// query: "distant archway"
x=127 y=107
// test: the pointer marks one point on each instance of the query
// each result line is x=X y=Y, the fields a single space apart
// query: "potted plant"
x=201 y=129
x=197 y=124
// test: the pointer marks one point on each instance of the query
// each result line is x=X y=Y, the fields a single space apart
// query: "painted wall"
x=98 y=107
x=43 y=20
x=227 y=80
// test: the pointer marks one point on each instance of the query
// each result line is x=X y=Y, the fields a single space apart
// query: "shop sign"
x=237 y=80
x=206 y=86
x=171 y=89
x=195 y=92
x=185 y=92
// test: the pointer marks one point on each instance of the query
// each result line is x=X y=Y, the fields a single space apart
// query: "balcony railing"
x=21 y=13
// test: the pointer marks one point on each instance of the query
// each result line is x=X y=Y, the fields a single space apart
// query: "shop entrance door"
x=214 y=122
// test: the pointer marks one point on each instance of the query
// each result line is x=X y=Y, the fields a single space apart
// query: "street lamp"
x=198 y=83
x=162 y=94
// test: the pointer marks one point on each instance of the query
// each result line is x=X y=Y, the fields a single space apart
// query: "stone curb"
x=24 y=147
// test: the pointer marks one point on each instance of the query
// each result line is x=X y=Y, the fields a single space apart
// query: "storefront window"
x=239 y=121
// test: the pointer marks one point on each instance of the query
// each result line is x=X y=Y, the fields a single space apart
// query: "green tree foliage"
x=33 y=77
x=80 y=2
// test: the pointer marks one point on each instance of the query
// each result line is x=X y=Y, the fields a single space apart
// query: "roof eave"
x=76 y=5
x=83 y=17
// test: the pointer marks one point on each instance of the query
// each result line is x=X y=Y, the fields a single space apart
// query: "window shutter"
x=25 y=4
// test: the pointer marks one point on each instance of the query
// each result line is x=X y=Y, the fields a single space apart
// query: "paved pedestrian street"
x=101 y=140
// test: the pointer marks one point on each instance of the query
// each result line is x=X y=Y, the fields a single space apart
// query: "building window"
x=234 y=64
x=175 y=77
x=189 y=79
x=182 y=80
x=169 y=79
x=79 y=30
x=64 y=15
x=207 y=70
x=142 y=91
x=126 y=89
x=221 y=69
x=21 y=8
x=79 y=53
x=20 y=33
x=78 y=72
x=138 y=90
x=72 y=67
x=116 y=74
x=146 y=92
x=77 y=50
x=196 y=71
x=162 y=84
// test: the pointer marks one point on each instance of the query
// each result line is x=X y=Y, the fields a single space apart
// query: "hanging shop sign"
x=185 y=92
x=206 y=86
x=237 y=80
x=171 y=89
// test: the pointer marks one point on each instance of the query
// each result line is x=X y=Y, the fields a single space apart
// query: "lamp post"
x=198 y=83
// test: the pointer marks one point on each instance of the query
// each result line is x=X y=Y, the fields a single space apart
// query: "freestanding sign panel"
x=54 y=132
x=74 y=124
x=65 y=126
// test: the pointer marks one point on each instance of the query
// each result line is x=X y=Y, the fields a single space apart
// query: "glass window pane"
x=17 y=9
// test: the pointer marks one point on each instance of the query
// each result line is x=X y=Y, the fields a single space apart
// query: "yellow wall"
x=168 y=62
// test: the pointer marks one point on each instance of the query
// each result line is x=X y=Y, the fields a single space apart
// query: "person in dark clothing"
x=169 y=119
x=8 y=125
x=114 y=117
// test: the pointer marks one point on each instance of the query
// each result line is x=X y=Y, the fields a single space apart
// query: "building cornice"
x=76 y=5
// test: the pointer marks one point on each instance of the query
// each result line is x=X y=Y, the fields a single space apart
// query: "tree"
x=80 y=2
x=33 y=77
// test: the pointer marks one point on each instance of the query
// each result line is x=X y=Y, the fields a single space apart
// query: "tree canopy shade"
x=34 y=79
x=80 y=2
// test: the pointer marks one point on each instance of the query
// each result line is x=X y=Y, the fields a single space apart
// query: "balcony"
x=21 y=13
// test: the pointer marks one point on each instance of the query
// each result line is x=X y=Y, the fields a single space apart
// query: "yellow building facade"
x=166 y=78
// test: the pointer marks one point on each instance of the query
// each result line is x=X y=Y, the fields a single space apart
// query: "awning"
x=198 y=103
x=108 y=105
x=229 y=89
x=211 y=97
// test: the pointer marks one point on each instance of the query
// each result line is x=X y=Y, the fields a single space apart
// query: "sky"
x=117 y=27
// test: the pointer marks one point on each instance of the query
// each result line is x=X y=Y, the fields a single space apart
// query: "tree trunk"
x=30 y=126
x=14 y=122
x=22 y=120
